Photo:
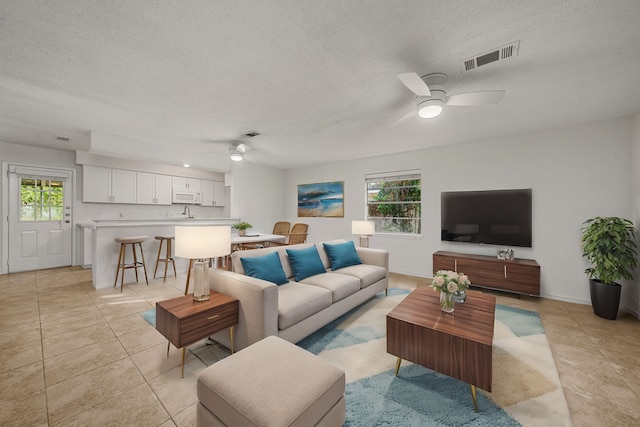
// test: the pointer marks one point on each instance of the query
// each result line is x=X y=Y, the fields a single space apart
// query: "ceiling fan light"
x=430 y=108
x=235 y=155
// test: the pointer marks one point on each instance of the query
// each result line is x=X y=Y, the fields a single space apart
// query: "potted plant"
x=609 y=245
x=242 y=227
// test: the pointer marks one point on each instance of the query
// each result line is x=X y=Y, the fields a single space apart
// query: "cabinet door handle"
x=213 y=317
x=505 y=271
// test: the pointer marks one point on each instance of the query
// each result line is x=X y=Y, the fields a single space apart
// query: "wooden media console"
x=521 y=276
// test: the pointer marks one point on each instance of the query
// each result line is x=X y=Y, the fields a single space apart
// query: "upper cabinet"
x=105 y=185
x=108 y=185
x=153 y=189
x=187 y=184
x=213 y=193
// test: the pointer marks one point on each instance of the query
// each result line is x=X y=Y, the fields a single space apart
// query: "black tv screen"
x=495 y=217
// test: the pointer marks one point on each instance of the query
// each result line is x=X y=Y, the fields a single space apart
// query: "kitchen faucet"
x=187 y=211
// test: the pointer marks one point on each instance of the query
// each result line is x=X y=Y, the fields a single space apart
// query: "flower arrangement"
x=449 y=283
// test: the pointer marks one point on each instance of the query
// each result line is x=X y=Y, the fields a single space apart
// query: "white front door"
x=40 y=218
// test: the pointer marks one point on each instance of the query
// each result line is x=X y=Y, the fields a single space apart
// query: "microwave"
x=187 y=197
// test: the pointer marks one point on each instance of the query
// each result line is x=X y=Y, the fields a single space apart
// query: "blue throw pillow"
x=342 y=255
x=266 y=267
x=305 y=262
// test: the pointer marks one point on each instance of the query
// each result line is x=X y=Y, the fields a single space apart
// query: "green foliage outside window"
x=41 y=200
x=395 y=204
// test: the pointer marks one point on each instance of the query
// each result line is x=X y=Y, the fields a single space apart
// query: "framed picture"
x=324 y=199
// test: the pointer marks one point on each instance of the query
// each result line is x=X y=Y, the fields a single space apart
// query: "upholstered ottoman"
x=271 y=383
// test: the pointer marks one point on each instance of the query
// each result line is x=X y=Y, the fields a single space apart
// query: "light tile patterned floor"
x=72 y=355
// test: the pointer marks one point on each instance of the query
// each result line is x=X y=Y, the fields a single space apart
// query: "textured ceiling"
x=316 y=78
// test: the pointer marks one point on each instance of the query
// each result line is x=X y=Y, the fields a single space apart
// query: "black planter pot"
x=605 y=299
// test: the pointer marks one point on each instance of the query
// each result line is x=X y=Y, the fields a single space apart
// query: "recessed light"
x=186 y=165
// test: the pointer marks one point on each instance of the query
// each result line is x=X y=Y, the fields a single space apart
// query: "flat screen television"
x=494 y=217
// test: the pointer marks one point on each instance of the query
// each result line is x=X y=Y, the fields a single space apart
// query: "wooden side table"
x=184 y=321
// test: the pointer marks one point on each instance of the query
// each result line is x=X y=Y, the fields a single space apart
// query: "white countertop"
x=137 y=222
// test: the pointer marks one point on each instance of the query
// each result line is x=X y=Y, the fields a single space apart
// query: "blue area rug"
x=150 y=316
x=526 y=387
x=418 y=396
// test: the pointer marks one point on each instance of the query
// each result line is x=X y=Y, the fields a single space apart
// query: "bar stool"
x=133 y=241
x=168 y=257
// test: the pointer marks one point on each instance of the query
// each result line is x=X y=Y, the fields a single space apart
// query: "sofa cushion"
x=340 y=285
x=266 y=267
x=305 y=262
x=368 y=274
x=342 y=255
x=297 y=301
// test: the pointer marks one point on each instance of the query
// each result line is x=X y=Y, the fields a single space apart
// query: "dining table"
x=264 y=239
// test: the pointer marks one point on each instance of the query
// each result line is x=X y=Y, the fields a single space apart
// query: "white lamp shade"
x=198 y=242
x=363 y=228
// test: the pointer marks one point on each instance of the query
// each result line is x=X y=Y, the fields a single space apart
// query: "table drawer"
x=200 y=325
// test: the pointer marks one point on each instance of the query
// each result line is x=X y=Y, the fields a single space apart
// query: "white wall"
x=576 y=173
x=631 y=293
x=257 y=196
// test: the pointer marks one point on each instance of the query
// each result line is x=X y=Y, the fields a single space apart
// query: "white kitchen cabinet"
x=105 y=185
x=219 y=193
x=188 y=184
x=213 y=193
x=153 y=189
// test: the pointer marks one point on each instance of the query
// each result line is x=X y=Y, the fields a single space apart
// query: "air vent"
x=252 y=133
x=498 y=54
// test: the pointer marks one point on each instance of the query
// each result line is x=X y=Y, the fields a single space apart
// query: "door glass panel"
x=41 y=199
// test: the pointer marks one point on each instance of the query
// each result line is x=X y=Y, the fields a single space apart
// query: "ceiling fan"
x=237 y=150
x=431 y=94
x=238 y=147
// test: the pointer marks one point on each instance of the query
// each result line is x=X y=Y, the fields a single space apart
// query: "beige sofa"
x=296 y=309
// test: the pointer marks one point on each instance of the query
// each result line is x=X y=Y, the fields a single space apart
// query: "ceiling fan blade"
x=415 y=84
x=476 y=98
x=410 y=114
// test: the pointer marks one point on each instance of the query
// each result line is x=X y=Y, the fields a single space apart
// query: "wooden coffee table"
x=457 y=344
x=184 y=321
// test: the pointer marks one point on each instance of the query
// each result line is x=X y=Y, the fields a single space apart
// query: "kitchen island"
x=105 y=250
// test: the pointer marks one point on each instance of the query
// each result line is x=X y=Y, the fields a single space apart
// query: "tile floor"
x=72 y=355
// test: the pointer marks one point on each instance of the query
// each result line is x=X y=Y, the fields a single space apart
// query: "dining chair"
x=280 y=228
x=297 y=235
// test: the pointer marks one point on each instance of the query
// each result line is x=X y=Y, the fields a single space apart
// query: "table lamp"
x=364 y=229
x=202 y=243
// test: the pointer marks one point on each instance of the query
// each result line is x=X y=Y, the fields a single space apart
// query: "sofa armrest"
x=378 y=257
x=258 y=317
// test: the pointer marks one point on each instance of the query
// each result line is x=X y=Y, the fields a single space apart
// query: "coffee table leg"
x=231 y=335
x=184 y=350
x=473 y=396
x=398 y=365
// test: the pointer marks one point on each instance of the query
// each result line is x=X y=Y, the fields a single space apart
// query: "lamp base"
x=364 y=241
x=201 y=289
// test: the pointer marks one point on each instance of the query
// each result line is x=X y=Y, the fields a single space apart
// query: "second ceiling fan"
x=431 y=94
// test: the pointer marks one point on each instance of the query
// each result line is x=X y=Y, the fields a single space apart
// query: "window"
x=394 y=201
x=41 y=199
